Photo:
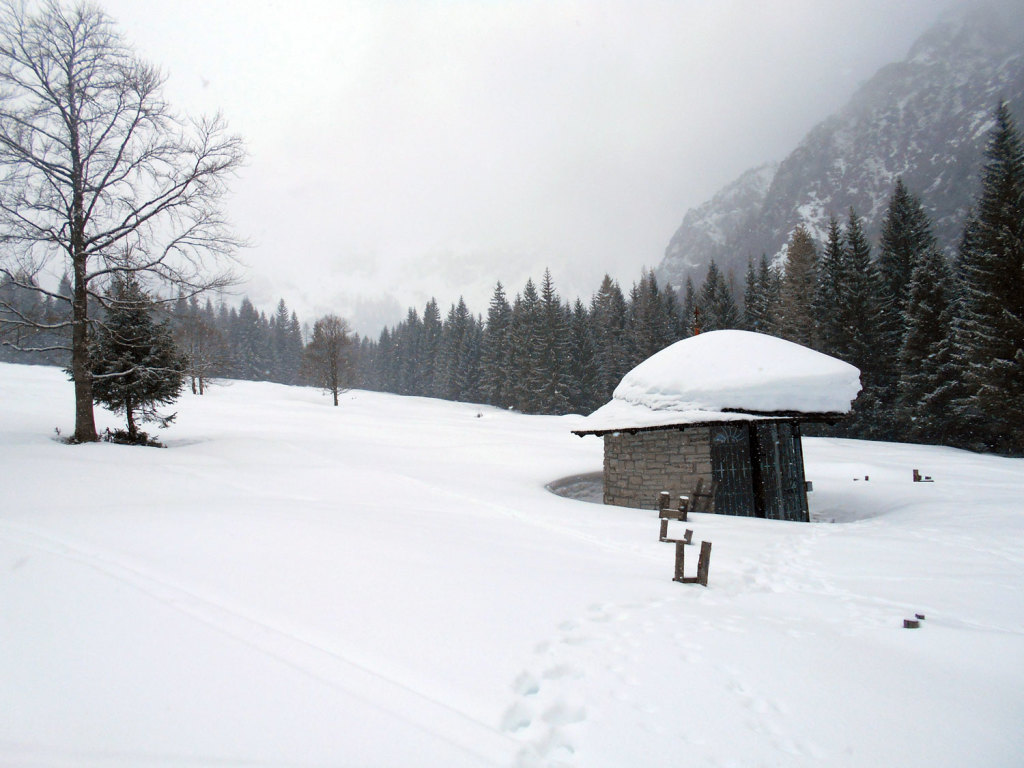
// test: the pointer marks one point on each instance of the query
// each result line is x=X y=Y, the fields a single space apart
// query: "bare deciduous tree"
x=327 y=361
x=99 y=175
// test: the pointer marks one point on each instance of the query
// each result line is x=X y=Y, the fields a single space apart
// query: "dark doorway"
x=759 y=470
x=779 y=466
x=731 y=470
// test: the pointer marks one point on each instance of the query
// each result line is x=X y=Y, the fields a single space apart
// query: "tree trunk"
x=85 y=422
x=81 y=370
x=133 y=431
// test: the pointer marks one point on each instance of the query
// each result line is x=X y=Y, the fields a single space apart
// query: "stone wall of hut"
x=640 y=466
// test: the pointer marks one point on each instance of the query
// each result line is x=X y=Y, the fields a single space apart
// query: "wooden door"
x=779 y=470
x=731 y=469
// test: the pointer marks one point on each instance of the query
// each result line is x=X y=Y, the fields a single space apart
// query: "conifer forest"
x=939 y=340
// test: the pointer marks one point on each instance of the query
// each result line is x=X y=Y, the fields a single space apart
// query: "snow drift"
x=706 y=377
x=388 y=583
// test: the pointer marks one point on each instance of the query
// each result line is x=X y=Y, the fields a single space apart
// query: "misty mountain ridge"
x=925 y=119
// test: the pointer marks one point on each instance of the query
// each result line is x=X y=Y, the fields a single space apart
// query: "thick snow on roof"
x=696 y=379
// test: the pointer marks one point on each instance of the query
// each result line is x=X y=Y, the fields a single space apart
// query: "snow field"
x=388 y=583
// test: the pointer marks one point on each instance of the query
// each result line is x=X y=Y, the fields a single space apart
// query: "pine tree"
x=135 y=364
x=496 y=352
x=287 y=345
x=689 y=312
x=906 y=241
x=608 y=318
x=673 y=313
x=384 y=362
x=716 y=308
x=928 y=320
x=833 y=333
x=409 y=355
x=434 y=377
x=770 y=289
x=553 y=352
x=761 y=297
x=583 y=373
x=751 y=299
x=651 y=325
x=796 y=320
x=525 y=333
x=859 y=311
x=990 y=324
x=246 y=347
x=459 y=360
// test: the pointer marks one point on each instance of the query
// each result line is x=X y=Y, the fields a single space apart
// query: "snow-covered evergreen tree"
x=553 y=354
x=433 y=376
x=928 y=322
x=688 y=313
x=716 y=308
x=496 y=373
x=583 y=374
x=527 y=322
x=796 y=315
x=459 y=359
x=989 y=331
x=906 y=241
x=134 y=362
x=651 y=323
x=833 y=332
x=860 y=312
x=287 y=344
x=608 y=318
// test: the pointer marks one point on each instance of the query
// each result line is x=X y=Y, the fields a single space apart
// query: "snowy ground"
x=388 y=583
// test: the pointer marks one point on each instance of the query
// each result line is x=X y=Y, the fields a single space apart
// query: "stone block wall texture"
x=639 y=467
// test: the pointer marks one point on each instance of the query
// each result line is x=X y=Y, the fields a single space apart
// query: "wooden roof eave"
x=787 y=416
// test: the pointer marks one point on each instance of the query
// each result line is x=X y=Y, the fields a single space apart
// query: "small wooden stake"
x=704 y=563
x=680 y=559
x=663 y=536
x=663 y=500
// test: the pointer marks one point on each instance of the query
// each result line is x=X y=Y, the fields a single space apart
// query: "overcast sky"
x=400 y=150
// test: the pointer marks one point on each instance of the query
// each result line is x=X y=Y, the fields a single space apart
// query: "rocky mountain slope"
x=925 y=118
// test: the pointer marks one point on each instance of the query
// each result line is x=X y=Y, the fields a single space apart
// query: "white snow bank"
x=388 y=583
x=740 y=369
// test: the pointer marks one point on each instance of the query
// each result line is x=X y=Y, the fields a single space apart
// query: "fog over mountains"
x=925 y=118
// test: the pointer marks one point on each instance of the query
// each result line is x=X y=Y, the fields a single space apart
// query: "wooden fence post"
x=704 y=563
x=680 y=557
x=663 y=501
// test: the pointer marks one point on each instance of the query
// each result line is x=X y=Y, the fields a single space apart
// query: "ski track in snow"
x=500 y=625
x=324 y=665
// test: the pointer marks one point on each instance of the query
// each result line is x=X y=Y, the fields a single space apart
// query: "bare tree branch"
x=98 y=171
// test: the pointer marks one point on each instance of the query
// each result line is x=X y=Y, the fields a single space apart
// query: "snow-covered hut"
x=725 y=407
